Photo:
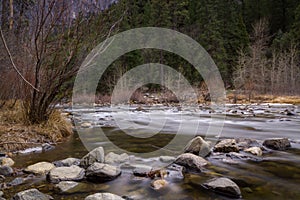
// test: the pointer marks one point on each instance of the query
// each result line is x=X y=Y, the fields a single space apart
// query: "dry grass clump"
x=16 y=134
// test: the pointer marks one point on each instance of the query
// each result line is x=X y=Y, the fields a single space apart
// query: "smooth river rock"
x=41 y=168
x=226 y=146
x=6 y=171
x=191 y=161
x=7 y=162
x=277 y=143
x=99 y=172
x=224 y=186
x=65 y=186
x=103 y=196
x=73 y=173
x=67 y=162
x=32 y=194
x=158 y=184
x=112 y=158
x=255 y=151
x=198 y=146
x=96 y=155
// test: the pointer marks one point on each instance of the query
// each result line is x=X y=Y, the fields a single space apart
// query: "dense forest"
x=255 y=43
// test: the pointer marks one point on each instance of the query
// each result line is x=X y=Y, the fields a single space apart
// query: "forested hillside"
x=255 y=43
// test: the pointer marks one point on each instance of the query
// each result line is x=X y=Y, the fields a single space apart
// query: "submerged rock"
x=73 y=173
x=99 y=172
x=198 y=146
x=31 y=194
x=67 y=162
x=254 y=150
x=226 y=146
x=112 y=158
x=224 y=186
x=191 y=162
x=96 y=155
x=277 y=143
x=103 y=196
x=7 y=162
x=141 y=170
x=40 y=168
x=65 y=186
x=158 y=184
x=6 y=170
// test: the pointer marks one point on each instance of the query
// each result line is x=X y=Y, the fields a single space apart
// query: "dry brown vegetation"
x=16 y=134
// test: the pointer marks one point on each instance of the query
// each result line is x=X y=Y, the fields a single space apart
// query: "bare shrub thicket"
x=261 y=72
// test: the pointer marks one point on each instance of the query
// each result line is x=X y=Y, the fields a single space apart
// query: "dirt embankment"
x=16 y=134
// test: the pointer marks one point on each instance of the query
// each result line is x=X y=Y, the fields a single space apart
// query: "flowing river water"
x=275 y=175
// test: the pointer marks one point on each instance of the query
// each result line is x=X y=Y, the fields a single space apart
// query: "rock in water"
x=6 y=170
x=96 y=155
x=198 y=146
x=112 y=158
x=277 y=143
x=191 y=161
x=141 y=170
x=40 y=168
x=99 y=172
x=32 y=194
x=227 y=146
x=7 y=162
x=65 y=186
x=158 y=184
x=103 y=196
x=73 y=173
x=67 y=162
x=224 y=186
x=254 y=150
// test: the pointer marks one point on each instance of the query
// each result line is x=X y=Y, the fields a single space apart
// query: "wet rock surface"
x=103 y=196
x=99 y=172
x=277 y=143
x=226 y=146
x=32 y=194
x=198 y=146
x=224 y=186
x=96 y=155
x=40 y=168
x=191 y=162
x=73 y=173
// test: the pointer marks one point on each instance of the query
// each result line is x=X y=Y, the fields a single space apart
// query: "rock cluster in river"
x=73 y=175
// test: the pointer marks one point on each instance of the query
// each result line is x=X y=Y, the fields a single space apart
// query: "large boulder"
x=103 y=196
x=198 y=146
x=99 y=172
x=227 y=146
x=112 y=158
x=223 y=186
x=191 y=162
x=67 y=162
x=32 y=194
x=41 y=168
x=73 y=173
x=277 y=143
x=96 y=155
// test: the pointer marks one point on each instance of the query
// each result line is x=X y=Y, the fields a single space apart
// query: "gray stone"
x=32 y=194
x=103 y=196
x=191 y=161
x=227 y=146
x=47 y=147
x=6 y=170
x=65 y=186
x=277 y=143
x=40 y=168
x=99 y=172
x=112 y=158
x=96 y=155
x=67 y=162
x=16 y=181
x=224 y=186
x=141 y=170
x=198 y=146
x=73 y=173
x=167 y=159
